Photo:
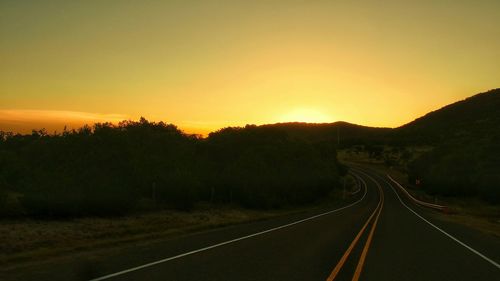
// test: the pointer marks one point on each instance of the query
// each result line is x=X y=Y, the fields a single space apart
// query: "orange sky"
x=203 y=65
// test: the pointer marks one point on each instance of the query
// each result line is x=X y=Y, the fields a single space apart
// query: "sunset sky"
x=203 y=65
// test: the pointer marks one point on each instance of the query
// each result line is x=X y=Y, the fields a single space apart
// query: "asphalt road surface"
x=379 y=235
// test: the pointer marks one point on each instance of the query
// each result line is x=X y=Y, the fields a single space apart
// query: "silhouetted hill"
x=474 y=117
x=466 y=157
x=339 y=132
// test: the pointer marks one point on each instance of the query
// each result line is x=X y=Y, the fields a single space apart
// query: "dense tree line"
x=463 y=169
x=113 y=169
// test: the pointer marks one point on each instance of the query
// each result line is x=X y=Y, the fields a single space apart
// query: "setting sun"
x=204 y=65
x=306 y=115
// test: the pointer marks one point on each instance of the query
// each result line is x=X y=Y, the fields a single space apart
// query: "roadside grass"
x=471 y=212
x=26 y=241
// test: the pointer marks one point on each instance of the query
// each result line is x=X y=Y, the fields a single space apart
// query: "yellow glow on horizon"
x=204 y=65
x=307 y=115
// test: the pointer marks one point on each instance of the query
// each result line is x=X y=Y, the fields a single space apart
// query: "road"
x=378 y=235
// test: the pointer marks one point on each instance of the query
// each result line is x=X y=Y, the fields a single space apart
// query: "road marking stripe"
x=343 y=259
x=358 y=183
x=226 y=242
x=446 y=233
x=430 y=205
x=359 y=267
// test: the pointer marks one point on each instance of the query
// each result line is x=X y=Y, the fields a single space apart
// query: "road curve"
x=412 y=243
x=378 y=235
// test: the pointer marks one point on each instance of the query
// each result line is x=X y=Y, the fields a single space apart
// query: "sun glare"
x=306 y=115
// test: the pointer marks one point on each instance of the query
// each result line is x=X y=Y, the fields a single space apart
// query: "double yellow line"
x=375 y=215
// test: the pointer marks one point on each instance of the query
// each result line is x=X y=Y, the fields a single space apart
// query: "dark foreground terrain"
x=401 y=241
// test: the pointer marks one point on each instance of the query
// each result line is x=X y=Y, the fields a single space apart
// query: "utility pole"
x=338 y=136
x=212 y=194
x=153 y=192
x=343 y=193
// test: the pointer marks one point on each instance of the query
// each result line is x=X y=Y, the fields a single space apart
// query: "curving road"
x=378 y=235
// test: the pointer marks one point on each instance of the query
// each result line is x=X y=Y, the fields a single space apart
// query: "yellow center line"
x=340 y=264
x=362 y=259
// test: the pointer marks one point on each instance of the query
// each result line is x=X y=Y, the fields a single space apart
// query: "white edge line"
x=358 y=183
x=226 y=242
x=446 y=233
x=415 y=199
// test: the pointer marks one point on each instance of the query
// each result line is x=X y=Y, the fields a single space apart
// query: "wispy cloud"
x=23 y=120
x=22 y=115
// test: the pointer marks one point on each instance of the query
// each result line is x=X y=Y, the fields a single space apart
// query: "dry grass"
x=473 y=213
x=25 y=240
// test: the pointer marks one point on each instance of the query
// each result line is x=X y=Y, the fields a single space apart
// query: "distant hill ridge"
x=479 y=108
x=341 y=131
x=470 y=118
x=473 y=117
